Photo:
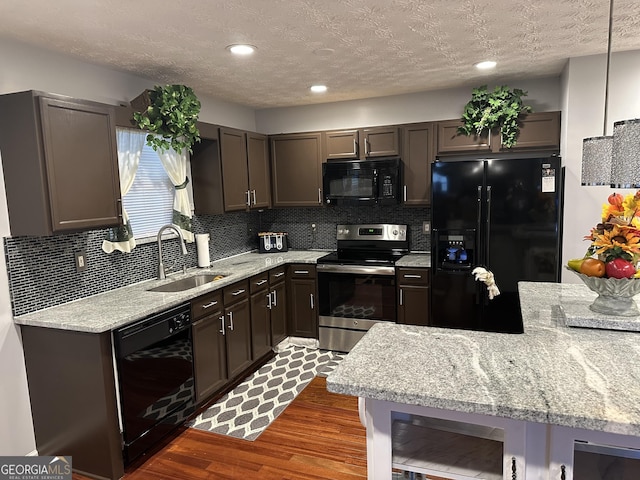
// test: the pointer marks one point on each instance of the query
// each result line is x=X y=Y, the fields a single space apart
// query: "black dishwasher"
x=154 y=361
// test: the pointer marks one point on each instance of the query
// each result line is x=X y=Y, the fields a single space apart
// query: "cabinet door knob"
x=253 y=193
x=410 y=275
x=319 y=196
x=222 y=325
x=311 y=300
x=400 y=297
x=269 y=305
x=301 y=272
x=261 y=282
x=275 y=303
x=248 y=198
x=279 y=274
x=237 y=292
x=230 y=321
x=209 y=305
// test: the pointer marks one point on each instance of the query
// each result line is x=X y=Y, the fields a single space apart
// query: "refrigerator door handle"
x=479 y=239
x=488 y=229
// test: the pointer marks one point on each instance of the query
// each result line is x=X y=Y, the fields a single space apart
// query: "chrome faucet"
x=175 y=228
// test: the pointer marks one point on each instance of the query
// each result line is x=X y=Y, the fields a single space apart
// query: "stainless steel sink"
x=187 y=283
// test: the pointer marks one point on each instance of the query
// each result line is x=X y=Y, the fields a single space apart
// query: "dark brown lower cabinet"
x=413 y=295
x=221 y=332
x=73 y=399
x=278 y=312
x=302 y=293
x=238 y=328
x=260 y=315
x=268 y=310
x=209 y=353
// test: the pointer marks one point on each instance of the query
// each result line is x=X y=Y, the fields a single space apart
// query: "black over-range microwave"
x=358 y=182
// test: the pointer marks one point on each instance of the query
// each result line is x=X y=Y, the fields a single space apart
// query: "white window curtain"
x=176 y=166
x=130 y=144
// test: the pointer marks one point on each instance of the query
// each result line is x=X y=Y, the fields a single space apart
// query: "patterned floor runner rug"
x=247 y=410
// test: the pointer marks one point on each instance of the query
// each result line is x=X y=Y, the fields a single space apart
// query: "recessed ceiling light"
x=241 y=49
x=318 y=88
x=324 y=52
x=486 y=65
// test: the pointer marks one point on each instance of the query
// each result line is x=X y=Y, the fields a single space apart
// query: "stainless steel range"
x=357 y=283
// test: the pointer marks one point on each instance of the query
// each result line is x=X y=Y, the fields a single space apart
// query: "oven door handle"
x=357 y=269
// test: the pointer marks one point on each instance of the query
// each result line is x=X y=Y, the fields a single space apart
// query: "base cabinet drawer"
x=413 y=295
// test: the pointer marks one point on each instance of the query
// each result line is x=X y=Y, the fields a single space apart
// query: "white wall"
x=28 y=68
x=543 y=95
x=583 y=115
x=16 y=435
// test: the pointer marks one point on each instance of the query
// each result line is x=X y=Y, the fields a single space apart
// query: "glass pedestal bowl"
x=615 y=295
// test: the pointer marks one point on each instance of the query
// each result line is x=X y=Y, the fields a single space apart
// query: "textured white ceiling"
x=381 y=47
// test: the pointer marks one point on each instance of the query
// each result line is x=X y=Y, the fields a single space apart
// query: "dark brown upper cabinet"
x=259 y=175
x=362 y=143
x=418 y=155
x=60 y=163
x=538 y=131
x=245 y=170
x=452 y=142
x=235 y=173
x=206 y=172
x=296 y=169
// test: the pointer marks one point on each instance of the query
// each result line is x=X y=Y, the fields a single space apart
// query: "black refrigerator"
x=501 y=214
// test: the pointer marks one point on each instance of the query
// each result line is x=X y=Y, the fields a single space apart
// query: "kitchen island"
x=541 y=399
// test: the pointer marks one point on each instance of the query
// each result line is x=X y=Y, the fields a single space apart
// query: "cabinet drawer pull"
x=301 y=272
x=261 y=282
x=275 y=303
x=366 y=149
x=311 y=299
x=222 y=325
x=279 y=274
x=410 y=275
x=400 y=297
x=269 y=303
x=248 y=198
x=230 y=321
x=253 y=193
x=210 y=304
x=319 y=196
x=237 y=292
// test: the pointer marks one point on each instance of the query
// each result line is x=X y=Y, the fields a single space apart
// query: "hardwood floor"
x=318 y=436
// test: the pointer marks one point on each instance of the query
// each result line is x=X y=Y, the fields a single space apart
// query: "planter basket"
x=141 y=102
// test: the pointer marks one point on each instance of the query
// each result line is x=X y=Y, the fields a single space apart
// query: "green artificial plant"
x=171 y=113
x=498 y=109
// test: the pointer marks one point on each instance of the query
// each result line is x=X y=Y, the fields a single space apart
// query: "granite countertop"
x=552 y=373
x=415 y=259
x=109 y=310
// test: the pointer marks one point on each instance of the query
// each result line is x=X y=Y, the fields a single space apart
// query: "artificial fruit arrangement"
x=615 y=242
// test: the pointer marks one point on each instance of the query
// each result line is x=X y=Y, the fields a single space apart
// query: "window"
x=149 y=203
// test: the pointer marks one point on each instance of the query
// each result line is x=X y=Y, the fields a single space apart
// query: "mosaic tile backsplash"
x=42 y=270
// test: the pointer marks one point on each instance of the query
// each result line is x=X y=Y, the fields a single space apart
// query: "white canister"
x=202 y=246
